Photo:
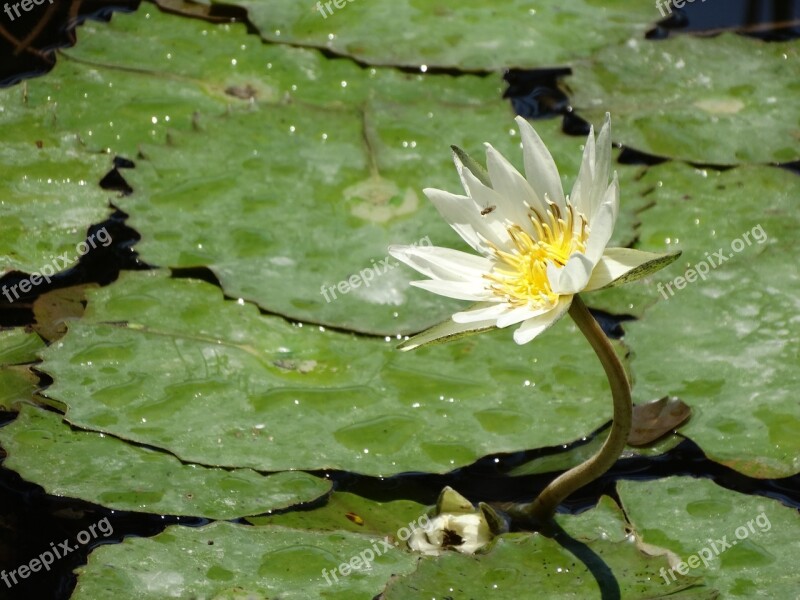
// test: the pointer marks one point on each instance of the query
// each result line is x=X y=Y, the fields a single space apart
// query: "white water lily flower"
x=536 y=247
x=466 y=533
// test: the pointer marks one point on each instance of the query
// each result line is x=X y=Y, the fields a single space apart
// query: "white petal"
x=540 y=168
x=592 y=181
x=488 y=311
x=601 y=228
x=617 y=262
x=513 y=187
x=603 y=159
x=533 y=327
x=442 y=263
x=520 y=314
x=611 y=196
x=464 y=216
x=572 y=277
x=507 y=209
x=581 y=195
x=460 y=290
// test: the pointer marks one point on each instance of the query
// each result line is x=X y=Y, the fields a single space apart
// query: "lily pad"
x=470 y=35
x=591 y=558
x=228 y=561
x=348 y=512
x=680 y=98
x=749 y=543
x=113 y=473
x=314 y=165
x=171 y=364
x=18 y=347
x=231 y=561
x=723 y=340
x=48 y=188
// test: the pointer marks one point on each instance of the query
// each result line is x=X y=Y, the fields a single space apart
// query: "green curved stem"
x=544 y=507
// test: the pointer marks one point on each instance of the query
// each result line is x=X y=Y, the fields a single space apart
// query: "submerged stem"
x=544 y=507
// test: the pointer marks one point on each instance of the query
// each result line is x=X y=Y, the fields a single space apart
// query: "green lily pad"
x=348 y=512
x=17 y=382
x=680 y=98
x=724 y=342
x=170 y=363
x=18 y=346
x=469 y=35
x=314 y=165
x=113 y=473
x=48 y=190
x=593 y=557
x=231 y=561
x=749 y=543
x=228 y=561
x=17 y=385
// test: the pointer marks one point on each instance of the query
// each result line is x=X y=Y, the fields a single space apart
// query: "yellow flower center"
x=520 y=276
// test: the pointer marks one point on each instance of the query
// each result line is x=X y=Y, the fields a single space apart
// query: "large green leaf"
x=696 y=518
x=17 y=382
x=231 y=561
x=726 y=100
x=226 y=561
x=18 y=346
x=48 y=190
x=349 y=512
x=725 y=343
x=171 y=364
x=592 y=557
x=314 y=166
x=113 y=473
x=467 y=35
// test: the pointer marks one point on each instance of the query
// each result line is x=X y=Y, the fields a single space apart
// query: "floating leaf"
x=225 y=560
x=113 y=473
x=721 y=334
x=749 y=543
x=313 y=165
x=171 y=364
x=468 y=35
x=680 y=98
x=17 y=381
x=652 y=420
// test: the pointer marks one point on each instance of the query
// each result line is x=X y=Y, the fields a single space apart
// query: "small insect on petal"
x=487 y=210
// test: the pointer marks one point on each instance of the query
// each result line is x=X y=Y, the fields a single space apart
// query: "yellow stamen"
x=519 y=277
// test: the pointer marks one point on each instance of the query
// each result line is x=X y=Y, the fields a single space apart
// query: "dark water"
x=31 y=519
